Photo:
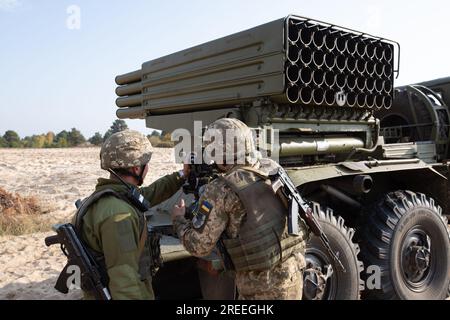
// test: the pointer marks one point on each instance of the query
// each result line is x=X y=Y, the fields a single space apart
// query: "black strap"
x=125 y=172
x=81 y=212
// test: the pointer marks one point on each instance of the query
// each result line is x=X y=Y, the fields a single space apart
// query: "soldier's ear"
x=135 y=170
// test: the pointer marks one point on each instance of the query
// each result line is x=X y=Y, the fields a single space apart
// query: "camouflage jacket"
x=112 y=226
x=226 y=214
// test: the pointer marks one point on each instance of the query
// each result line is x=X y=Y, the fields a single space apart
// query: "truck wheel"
x=323 y=278
x=406 y=236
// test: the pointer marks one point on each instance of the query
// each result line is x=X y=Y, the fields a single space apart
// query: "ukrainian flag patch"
x=206 y=207
x=201 y=214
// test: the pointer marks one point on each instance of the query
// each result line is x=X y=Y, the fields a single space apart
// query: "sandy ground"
x=57 y=177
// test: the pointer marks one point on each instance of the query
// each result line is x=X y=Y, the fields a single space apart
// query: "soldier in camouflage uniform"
x=240 y=212
x=115 y=230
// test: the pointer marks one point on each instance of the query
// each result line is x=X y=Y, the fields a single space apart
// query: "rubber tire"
x=348 y=284
x=389 y=221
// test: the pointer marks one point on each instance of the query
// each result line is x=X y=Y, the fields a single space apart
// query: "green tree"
x=12 y=138
x=96 y=139
x=63 y=134
x=60 y=140
x=61 y=143
x=27 y=142
x=107 y=134
x=38 y=141
x=75 y=138
x=3 y=143
x=155 y=133
x=49 y=139
x=118 y=125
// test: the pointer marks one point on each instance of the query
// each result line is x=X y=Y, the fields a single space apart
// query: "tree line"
x=64 y=139
x=74 y=138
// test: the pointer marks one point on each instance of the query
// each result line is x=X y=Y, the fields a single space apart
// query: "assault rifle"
x=298 y=206
x=77 y=255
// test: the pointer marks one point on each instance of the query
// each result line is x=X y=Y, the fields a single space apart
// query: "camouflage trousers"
x=284 y=282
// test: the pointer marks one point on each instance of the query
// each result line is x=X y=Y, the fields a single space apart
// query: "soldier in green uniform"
x=240 y=212
x=115 y=230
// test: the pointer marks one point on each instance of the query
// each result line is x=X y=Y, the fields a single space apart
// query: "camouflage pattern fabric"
x=284 y=282
x=226 y=213
x=241 y=148
x=125 y=149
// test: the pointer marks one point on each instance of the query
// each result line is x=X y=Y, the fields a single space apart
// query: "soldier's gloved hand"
x=178 y=210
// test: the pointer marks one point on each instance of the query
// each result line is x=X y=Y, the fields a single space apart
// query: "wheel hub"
x=416 y=256
x=314 y=278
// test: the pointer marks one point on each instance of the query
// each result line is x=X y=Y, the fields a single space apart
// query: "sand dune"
x=57 y=177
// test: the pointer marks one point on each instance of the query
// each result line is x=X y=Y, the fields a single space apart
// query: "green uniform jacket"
x=112 y=226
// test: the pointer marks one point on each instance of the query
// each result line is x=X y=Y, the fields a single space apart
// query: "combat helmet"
x=242 y=148
x=125 y=149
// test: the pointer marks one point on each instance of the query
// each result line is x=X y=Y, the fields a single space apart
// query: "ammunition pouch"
x=151 y=259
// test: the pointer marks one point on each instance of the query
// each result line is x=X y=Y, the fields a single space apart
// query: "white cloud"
x=9 y=5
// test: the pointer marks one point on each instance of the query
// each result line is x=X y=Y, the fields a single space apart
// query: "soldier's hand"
x=178 y=210
x=186 y=170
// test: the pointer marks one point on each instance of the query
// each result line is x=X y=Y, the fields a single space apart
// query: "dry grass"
x=20 y=215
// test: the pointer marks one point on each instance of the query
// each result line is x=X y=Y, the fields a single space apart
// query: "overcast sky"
x=55 y=76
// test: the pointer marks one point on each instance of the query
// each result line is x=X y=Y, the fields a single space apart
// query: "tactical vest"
x=263 y=241
x=146 y=252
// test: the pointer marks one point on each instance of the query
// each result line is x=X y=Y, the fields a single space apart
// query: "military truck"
x=371 y=159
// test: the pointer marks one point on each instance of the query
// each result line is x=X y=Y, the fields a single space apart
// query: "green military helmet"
x=246 y=152
x=125 y=149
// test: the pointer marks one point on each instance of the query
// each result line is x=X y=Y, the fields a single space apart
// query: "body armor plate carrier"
x=263 y=241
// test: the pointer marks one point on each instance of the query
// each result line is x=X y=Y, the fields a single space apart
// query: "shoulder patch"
x=201 y=214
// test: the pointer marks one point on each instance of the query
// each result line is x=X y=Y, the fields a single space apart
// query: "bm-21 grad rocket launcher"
x=323 y=88
x=327 y=78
